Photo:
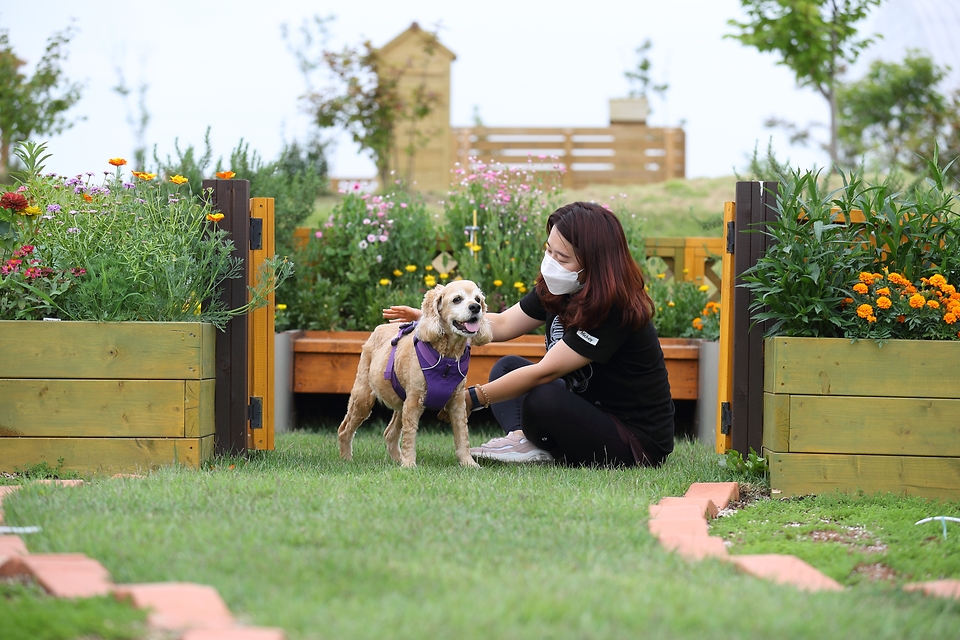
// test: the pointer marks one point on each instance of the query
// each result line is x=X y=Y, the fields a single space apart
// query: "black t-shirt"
x=627 y=377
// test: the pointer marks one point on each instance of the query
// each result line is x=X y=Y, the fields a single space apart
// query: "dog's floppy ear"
x=430 y=328
x=484 y=334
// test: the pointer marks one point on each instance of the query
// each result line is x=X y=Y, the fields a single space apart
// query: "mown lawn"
x=323 y=548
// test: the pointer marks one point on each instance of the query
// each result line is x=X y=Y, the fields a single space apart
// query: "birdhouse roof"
x=415 y=31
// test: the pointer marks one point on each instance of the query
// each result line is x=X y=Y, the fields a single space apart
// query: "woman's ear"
x=485 y=333
x=430 y=328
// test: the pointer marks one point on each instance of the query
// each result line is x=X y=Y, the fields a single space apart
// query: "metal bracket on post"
x=255 y=409
x=726 y=418
x=256 y=234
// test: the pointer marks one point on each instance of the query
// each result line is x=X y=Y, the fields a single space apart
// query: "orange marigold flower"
x=178 y=179
x=950 y=318
x=884 y=302
x=948 y=289
x=896 y=278
x=215 y=217
x=883 y=291
x=866 y=278
x=697 y=324
x=117 y=162
x=917 y=301
x=937 y=281
x=860 y=288
x=864 y=311
x=933 y=304
x=901 y=318
x=847 y=301
x=88 y=197
x=910 y=289
x=871 y=318
x=144 y=176
x=225 y=175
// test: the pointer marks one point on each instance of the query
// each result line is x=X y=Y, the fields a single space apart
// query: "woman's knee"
x=506 y=364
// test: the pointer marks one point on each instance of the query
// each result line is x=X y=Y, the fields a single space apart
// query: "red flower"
x=14 y=201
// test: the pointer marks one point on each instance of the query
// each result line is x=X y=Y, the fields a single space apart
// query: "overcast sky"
x=519 y=63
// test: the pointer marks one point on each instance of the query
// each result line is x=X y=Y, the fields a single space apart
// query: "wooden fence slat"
x=727 y=310
x=739 y=403
x=261 y=328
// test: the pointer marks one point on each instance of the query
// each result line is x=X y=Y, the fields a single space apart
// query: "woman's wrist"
x=484 y=400
x=474 y=401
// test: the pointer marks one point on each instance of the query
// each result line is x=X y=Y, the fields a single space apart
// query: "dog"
x=453 y=317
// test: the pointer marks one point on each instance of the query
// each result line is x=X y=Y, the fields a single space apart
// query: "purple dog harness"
x=443 y=374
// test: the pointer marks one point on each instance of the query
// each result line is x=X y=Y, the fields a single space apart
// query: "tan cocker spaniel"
x=453 y=317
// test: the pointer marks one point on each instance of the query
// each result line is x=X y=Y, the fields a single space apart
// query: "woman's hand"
x=401 y=313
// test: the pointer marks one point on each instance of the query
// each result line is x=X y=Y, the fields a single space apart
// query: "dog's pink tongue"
x=473 y=326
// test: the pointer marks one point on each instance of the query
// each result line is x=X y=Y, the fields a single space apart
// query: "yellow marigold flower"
x=444 y=276
x=497 y=283
x=397 y=273
x=917 y=301
x=883 y=291
x=215 y=217
x=671 y=304
x=933 y=304
x=32 y=210
x=178 y=179
x=950 y=318
x=281 y=307
x=428 y=267
x=518 y=285
x=430 y=281
x=225 y=175
x=661 y=276
x=697 y=324
x=860 y=288
x=384 y=282
x=411 y=268
x=704 y=288
x=871 y=318
x=884 y=302
x=117 y=162
x=866 y=278
x=144 y=176
x=864 y=311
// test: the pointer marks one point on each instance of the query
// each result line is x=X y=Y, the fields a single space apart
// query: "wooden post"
x=727 y=310
x=260 y=339
x=568 y=182
x=232 y=199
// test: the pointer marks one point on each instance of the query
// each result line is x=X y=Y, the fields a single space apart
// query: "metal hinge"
x=256 y=234
x=726 y=418
x=255 y=412
x=731 y=228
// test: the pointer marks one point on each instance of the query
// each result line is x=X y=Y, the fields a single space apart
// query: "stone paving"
x=198 y=613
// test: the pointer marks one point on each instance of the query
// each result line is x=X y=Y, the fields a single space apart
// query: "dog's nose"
x=474 y=308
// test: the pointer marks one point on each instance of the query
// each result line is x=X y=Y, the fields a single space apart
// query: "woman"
x=600 y=395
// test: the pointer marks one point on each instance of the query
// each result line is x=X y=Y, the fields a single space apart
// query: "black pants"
x=573 y=430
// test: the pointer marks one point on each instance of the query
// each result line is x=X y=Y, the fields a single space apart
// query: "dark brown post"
x=232 y=199
x=756 y=205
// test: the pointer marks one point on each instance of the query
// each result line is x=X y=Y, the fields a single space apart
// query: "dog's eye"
x=477 y=298
x=458 y=300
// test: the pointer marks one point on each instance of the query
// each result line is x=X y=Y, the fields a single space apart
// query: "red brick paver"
x=178 y=605
x=695 y=547
x=11 y=546
x=720 y=493
x=235 y=633
x=678 y=527
x=706 y=505
x=939 y=588
x=65 y=575
x=675 y=511
x=785 y=569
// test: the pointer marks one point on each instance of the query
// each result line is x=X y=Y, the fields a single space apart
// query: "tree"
x=815 y=39
x=367 y=99
x=35 y=105
x=893 y=112
x=640 y=79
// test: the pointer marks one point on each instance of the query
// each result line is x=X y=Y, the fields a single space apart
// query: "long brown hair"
x=611 y=277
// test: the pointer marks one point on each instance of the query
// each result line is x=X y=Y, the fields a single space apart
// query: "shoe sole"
x=530 y=456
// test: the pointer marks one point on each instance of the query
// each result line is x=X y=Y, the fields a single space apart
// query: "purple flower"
x=128 y=185
x=53 y=208
x=73 y=230
x=78 y=189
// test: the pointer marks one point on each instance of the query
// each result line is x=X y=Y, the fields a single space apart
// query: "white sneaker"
x=513 y=447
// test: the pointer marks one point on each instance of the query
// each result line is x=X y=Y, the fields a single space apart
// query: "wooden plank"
x=105 y=456
x=100 y=350
x=862 y=425
x=725 y=381
x=85 y=408
x=812 y=473
x=836 y=366
x=198 y=417
x=260 y=329
x=232 y=198
x=776 y=422
x=324 y=373
x=746 y=193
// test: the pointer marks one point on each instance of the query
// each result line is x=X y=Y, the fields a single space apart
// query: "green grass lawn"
x=298 y=539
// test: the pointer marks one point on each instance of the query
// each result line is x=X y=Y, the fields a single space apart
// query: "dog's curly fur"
x=445 y=310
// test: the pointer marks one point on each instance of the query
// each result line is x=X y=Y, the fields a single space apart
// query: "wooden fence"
x=618 y=154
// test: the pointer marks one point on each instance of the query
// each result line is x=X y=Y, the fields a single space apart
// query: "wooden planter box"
x=857 y=416
x=326 y=361
x=106 y=397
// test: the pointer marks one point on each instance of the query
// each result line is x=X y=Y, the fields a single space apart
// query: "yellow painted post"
x=260 y=333
x=725 y=390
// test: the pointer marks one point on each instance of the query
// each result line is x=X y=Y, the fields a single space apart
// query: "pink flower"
x=318 y=234
x=403 y=205
x=383 y=238
x=371 y=238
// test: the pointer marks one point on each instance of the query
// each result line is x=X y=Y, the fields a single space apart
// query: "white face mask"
x=559 y=280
